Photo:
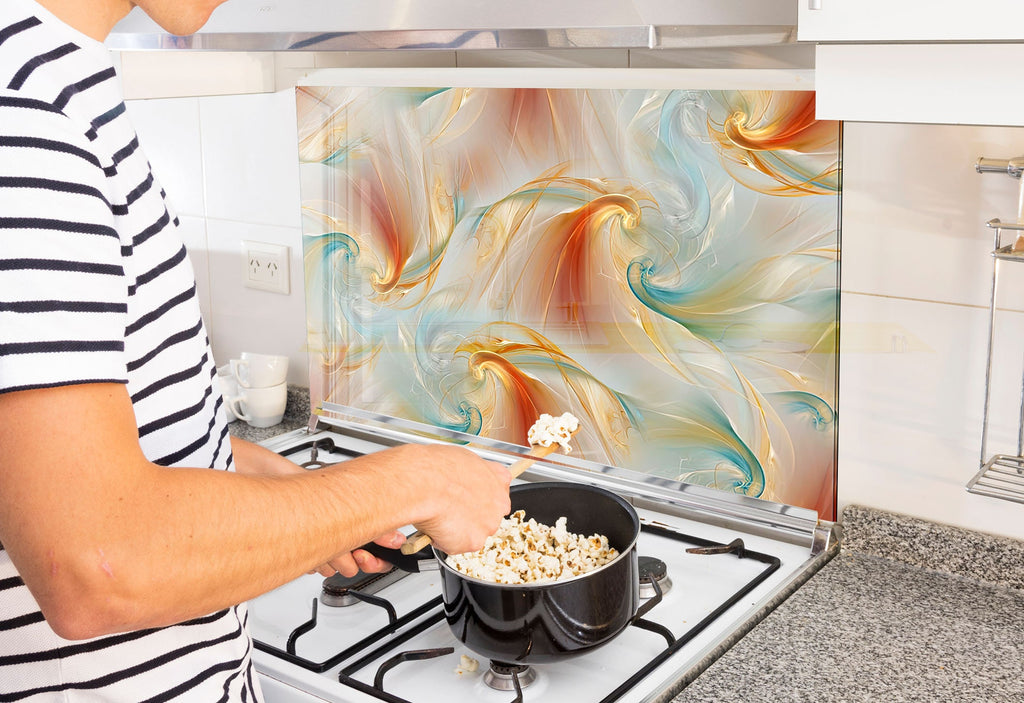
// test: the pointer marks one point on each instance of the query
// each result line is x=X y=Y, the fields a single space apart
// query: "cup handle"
x=240 y=370
x=234 y=403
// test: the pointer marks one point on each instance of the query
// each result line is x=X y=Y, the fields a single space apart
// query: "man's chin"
x=182 y=20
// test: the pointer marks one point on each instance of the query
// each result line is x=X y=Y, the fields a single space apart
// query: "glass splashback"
x=662 y=263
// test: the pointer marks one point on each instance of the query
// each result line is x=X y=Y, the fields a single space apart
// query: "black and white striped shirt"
x=95 y=286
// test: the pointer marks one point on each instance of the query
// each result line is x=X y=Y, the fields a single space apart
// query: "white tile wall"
x=916 y=280
x=243 y=319
x=911 y=399
x=250 y=162
x=914 y=210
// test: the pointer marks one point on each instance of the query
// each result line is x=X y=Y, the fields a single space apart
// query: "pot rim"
x=441 y=555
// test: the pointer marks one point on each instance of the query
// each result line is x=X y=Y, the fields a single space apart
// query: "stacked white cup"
x=254 y=388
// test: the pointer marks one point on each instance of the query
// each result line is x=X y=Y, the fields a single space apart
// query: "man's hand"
x=467 y=497
x=351 y=563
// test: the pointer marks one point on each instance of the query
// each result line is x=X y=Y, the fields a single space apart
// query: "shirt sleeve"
x=63 y=290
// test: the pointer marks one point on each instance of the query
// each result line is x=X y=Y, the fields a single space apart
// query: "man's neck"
x=94 y=18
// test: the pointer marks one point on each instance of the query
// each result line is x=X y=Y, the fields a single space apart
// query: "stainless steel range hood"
x=365 y=25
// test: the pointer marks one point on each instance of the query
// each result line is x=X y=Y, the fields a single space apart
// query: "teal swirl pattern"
x=661 y=263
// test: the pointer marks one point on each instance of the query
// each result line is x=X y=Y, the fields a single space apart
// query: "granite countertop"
x=907 y=611
x=296 y=415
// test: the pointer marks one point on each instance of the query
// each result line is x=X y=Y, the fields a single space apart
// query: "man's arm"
x=107 y=541
x=251 y=458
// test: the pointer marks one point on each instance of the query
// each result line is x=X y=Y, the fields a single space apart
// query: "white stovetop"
x=700 y=584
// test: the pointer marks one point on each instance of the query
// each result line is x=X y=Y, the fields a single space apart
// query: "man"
x=124 y=555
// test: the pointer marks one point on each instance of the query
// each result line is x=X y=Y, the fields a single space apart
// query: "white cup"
x=228 y=387
x=260 y=407
x=259 y=370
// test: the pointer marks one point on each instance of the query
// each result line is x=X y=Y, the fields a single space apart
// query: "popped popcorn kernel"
x=525 y=551
x=550 y=430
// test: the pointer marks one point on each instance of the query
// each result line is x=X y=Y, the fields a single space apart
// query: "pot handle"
x=423 y=560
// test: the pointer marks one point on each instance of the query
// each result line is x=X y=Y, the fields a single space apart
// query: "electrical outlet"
x=265 y=266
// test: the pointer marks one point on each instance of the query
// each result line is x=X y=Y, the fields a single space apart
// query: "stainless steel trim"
x=1001 y=477
x=826 y=536
x=404 y=426
x=991 y=340
x=623 y=37
x=640 y=36
x=997 y=224
x=791 y=523
x=1012 y=252
x=1012 y=167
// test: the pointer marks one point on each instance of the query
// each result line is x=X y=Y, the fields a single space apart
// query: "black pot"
x=543 y=622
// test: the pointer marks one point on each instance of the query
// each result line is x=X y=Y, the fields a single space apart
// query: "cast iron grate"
x=432 y=613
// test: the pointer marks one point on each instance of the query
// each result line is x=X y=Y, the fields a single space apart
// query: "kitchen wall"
x=916 y=279
x=916 y=283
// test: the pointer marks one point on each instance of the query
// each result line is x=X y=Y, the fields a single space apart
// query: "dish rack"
x=1001 y=475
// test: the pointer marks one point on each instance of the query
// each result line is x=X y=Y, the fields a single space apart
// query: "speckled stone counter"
x=296 y=414
x=908 y=611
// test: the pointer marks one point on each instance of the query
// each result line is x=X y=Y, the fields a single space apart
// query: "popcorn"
x=525 y=551
x=467 y=665
x=550 y=430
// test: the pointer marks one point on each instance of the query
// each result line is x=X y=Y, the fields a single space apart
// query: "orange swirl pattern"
x=762 y=134
x=662 y=264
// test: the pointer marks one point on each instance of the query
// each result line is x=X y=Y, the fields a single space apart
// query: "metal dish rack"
x=1001 y=475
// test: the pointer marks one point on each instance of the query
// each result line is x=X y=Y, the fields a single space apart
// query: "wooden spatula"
x=418 y=540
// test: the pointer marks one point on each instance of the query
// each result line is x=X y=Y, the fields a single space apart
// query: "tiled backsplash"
x=916 y=275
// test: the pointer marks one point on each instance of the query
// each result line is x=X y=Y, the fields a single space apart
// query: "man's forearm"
x=108 y=541
x=216 y=539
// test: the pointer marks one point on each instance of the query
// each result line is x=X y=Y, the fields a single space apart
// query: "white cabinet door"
x=960 y=83
x=910 y=20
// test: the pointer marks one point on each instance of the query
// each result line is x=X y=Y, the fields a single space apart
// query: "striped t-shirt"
x=95 y=286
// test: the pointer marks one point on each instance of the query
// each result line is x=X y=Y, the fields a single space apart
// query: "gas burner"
x=327 y=445
x=339 y=591
x=652 y=567
x=502 y=677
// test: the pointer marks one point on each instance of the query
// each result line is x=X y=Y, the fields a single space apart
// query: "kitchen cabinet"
x=926 y=83
x=910 y=20
x=939 y=62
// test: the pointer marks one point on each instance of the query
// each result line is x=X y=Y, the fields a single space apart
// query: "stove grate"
x=376 y=636
x=674 y=644
x=772 y=564
x=411 y=655
x=322 y=444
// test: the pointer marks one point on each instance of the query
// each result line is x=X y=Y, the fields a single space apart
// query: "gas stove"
x=712 y=566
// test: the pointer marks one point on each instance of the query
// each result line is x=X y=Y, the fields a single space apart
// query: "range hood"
x=366 y=25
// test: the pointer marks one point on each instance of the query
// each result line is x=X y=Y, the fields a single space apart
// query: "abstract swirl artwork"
x=661 y=263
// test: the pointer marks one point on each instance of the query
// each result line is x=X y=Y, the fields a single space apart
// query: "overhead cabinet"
x=939 y=62
x=910 y=20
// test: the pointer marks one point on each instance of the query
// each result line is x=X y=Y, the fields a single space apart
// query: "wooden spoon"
x=418 y=540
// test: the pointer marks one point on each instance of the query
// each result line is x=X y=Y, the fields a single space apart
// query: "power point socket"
x=265 y=267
